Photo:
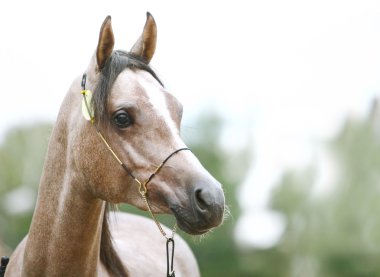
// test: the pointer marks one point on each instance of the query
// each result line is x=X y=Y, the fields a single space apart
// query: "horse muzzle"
x=203 y=211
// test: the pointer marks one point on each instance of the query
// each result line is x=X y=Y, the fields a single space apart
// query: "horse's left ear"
x=105 y=44
x=146 y=44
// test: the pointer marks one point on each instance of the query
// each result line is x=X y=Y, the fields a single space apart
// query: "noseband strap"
x=162 y=164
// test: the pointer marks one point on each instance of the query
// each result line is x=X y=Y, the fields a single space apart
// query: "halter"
x=142 y=185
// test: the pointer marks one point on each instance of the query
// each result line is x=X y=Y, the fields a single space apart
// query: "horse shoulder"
x=142 y=248
x=14 y=268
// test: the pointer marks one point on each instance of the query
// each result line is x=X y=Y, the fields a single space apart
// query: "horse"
x=103 y=145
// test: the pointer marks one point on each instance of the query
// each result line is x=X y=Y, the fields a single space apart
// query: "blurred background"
x=280 y=104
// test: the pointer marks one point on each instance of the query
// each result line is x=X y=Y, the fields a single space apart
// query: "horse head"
x=140 y=122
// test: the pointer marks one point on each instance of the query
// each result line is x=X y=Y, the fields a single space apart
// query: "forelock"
x=118 y=62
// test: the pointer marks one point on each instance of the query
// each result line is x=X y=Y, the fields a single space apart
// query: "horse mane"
x=118 y=61
x=108 y=255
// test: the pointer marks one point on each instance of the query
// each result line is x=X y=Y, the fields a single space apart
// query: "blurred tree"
x=21 y=159
x=336 y=233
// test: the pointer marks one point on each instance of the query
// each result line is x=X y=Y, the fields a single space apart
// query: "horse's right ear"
x=105 y=44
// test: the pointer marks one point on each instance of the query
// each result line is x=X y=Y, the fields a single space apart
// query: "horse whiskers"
x=227 y=213
x=197 y=239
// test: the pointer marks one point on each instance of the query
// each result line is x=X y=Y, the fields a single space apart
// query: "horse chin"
x=190 y=223
x=188 y=228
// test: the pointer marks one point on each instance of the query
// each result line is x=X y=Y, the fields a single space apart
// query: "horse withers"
x=117 y=140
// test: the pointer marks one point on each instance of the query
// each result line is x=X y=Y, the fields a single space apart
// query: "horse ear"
x=146 y=44
x=105 y=44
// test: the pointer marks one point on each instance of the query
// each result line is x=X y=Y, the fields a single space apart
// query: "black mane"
x=119 y=61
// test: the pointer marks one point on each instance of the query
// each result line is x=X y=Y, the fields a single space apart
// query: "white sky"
x=284 y=72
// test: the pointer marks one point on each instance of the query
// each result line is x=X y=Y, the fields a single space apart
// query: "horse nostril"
x=208 y=205
x=200 y=199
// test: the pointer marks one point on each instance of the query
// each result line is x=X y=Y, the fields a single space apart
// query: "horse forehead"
x=138 y=85
x=141 y=88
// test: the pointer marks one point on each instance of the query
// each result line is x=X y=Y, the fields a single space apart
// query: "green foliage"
x=21 y=158
x=337 y=233
x=263 y=263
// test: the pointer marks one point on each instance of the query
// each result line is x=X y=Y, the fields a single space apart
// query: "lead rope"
x=142 y=185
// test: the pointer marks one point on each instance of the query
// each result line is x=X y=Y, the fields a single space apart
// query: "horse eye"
x=122 y=119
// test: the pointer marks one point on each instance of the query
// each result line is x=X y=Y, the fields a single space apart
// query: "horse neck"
x=66 y=228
